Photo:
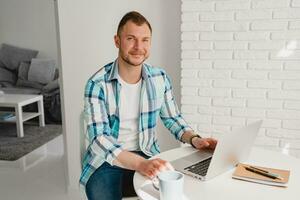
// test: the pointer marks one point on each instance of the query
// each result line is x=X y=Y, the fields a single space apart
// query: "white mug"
x=170 y=185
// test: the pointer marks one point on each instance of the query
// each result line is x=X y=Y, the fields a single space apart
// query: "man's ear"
x=117 y=41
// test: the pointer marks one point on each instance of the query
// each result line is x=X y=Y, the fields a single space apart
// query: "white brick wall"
x=241 y=63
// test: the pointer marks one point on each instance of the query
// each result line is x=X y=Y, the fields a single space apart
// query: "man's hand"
x=199 y=143
x=151 y=168
x=204 y=143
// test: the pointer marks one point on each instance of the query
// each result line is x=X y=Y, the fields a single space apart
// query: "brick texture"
x=241 y=63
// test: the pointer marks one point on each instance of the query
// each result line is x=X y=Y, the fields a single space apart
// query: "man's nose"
x=137 y=44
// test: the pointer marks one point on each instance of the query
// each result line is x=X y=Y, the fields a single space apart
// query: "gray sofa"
x=22 y=73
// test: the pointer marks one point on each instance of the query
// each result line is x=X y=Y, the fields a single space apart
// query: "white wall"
x=29 y=24
x=86 y=36
x=241 y=62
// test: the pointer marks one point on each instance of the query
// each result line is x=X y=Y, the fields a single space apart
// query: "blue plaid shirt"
x=101 y=111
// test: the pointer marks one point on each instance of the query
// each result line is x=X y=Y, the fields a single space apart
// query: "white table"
x=224 y=187
x=17 y=101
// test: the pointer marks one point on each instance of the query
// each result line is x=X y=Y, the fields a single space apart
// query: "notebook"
x=242 y=173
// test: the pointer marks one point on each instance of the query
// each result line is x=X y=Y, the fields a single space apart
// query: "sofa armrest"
x=50 y=86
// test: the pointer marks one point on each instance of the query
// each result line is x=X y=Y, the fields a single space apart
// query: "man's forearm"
x=149 y=168
x=128 y=160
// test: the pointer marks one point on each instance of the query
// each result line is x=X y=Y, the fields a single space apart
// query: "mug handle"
x=155 y=183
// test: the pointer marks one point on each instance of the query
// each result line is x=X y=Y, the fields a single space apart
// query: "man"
x=123 y=101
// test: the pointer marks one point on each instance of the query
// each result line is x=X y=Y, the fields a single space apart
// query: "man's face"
x=134 y=43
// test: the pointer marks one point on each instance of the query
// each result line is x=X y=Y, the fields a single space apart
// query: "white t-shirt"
x=129 y=115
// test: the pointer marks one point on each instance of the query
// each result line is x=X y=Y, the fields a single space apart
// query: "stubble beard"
x=127 y=60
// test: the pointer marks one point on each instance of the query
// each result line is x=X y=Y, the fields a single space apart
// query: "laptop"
x=232 y=148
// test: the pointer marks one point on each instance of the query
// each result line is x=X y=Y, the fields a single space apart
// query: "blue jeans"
x=111 y=182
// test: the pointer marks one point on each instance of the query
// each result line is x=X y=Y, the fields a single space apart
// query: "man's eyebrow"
x=130 y=35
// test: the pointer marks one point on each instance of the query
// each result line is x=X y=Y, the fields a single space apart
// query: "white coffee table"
x=224 y=186
x=17 y=101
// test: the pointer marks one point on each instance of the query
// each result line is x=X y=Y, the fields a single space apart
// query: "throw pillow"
x=41 y=70
x=12 y=56
x=23 y=70
x=23 y=77
x=7 y=77
x=1 y=63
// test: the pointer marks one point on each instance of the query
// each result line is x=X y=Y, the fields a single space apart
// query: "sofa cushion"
x=23 y=77
x=12 y=56
x=41 y=70
x=7 y=77
x=5 y=84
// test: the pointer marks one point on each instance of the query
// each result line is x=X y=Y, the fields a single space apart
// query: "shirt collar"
x=114 y=72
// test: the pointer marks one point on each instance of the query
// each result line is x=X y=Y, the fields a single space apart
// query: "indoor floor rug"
x=13 y=147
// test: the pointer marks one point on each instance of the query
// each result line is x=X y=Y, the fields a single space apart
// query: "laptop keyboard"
x=199 y=168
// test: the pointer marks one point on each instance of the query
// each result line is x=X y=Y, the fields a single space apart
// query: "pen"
x=258 y=169
x=262 y=172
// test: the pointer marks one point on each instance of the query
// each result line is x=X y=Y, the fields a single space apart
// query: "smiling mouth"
x=134 y=53
x=137 y=55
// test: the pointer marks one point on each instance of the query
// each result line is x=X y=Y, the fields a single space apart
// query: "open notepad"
x=242 y=174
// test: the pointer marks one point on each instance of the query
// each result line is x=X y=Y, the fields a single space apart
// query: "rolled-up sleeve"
x=170 y=114
x=102 y=143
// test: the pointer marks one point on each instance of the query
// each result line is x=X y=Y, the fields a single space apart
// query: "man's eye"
x=130 y=38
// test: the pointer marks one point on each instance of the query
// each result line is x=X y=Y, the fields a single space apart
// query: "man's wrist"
x=185 y=138
x=139 y=164
x=191 y=139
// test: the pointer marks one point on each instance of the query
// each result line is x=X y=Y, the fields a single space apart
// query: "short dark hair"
x=136 y=18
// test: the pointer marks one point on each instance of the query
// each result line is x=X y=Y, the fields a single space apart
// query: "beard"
x=128 y=60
